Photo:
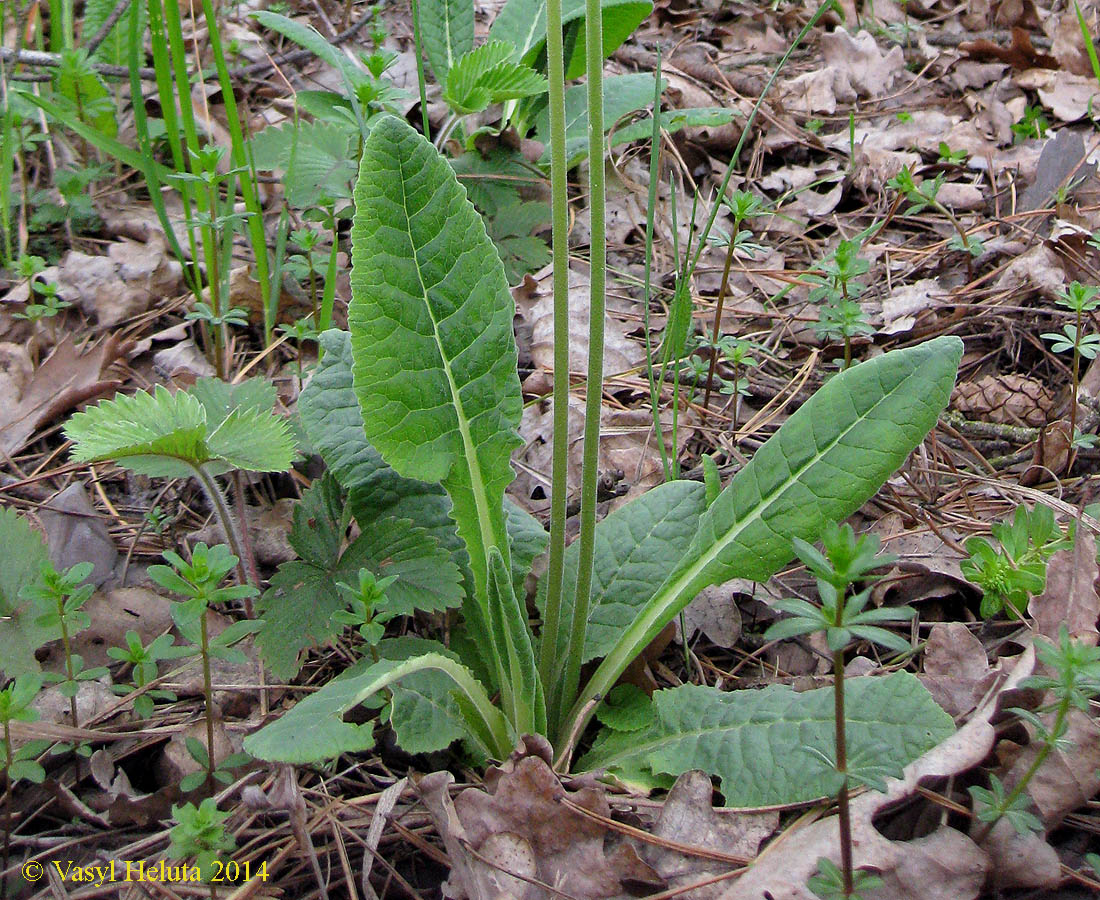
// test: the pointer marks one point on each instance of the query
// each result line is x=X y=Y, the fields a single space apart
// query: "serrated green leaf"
x=622 y=95
x=299 y=607
x=20 y=637
x=488 y=75
x=169 y=435
x=316 y=159
x=159 y=434
x=828 y=458
x=635 y=548
x=432 y=341
x=447 y=32
x=523 y=24
x=753 y=740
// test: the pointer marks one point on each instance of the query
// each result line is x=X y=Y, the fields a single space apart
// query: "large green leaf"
x=523 y=24
x=622 y=95
x=315 y=728
x=298 y=608
x=636 y=547
x=20 y=637
x=447 y=32
x=432 y=342
x=333 y=422
x=826 y=460
x=756 y=741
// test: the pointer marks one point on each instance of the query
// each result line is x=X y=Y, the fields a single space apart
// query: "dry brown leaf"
x=1069 y=97
x=521 y=826
x=944 y=865
x=1052 y=453
x=77 y=533
x=901 y=308
x=1005 y=399
x=1038 y=269
x=125 y=283
x=859 y=60
x=688 y=817
x=535 y=306
x=1020 y=54
x=715 y=613
x=66 y=379
x=1070 y=596
x=956 y=670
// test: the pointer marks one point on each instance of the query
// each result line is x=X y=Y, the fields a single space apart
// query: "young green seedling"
x=199 y=833
x=838 y=288
x=368 y=608
x=60 y=598
x=924 y=196
x=143 y=661
x=1073 y=682
x=198 y=581
x=847 y=560
x=742 y=205
x=1079 y=299
x=1011 y=575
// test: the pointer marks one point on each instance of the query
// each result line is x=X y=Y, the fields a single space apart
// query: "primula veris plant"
x=431 y=360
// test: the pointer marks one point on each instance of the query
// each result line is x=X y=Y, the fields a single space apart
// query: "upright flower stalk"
x=594 y=384
x=555 y=64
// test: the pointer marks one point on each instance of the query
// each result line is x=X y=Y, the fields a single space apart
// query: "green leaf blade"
x=447 y=32
x=762 y=744
x=432 y=341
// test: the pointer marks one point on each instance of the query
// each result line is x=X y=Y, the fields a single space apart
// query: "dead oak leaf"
x=1020 y=54
x=523 y=828
x=65 y=380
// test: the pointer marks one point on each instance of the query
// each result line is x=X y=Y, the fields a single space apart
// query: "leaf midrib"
x=477 y=480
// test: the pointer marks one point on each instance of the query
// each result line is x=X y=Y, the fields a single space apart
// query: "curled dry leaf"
x=860 y=61
x=944 y=865
x=522 y=827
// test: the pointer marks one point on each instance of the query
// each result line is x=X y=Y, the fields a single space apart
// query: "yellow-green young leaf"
x=431 y=334
x=20 y=637
x=170 y=435
x=756 y=741
x=487 y=75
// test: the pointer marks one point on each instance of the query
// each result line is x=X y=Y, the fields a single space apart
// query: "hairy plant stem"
x=559 y=477
x=66 y=645
x=594 y=383
x=844 y=814
x=229 y=525
x=722 y=291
